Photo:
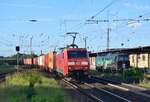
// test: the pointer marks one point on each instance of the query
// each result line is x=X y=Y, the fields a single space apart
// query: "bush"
x=134 y=74
x=33 y=78
x=32 y=87
x=130 y=73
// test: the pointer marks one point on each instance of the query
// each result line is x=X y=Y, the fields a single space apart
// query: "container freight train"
x=73 y=62
x=111 y=61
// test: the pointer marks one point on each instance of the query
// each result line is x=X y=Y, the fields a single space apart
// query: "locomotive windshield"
x=77 y=54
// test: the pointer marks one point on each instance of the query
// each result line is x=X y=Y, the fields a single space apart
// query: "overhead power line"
x=107 y=6
x=130 y=21
x=81 y=24
x=115 y=20
x=5 y=44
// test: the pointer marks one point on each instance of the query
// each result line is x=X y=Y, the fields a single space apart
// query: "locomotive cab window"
x=77 y=54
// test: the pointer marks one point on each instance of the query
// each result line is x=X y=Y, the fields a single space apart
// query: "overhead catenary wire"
x=107 y=6
x=83 y=23
x=98 y=13
x=135 y=20
x=138 y=19
x=116 y=20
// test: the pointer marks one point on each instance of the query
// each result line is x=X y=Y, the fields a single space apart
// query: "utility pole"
x=108 y=29
x=41 y=52
x=85 y=41
x=32 y=20
x=108 y=38
x=108 y=32
x=31 y=45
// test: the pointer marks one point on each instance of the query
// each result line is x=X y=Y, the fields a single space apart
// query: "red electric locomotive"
x=73 y=62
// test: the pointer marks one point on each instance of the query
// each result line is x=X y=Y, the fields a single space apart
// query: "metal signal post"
x=17 y=49
x=108 y=40
x=85 y=41
x=31 y=45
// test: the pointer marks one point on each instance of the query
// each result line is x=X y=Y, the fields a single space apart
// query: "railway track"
x=119 y=90
x=2 y=77
x=76 y=87
x=95 y=93
x=138 y=90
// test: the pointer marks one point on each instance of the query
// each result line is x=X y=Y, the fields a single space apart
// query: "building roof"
x=140 y=49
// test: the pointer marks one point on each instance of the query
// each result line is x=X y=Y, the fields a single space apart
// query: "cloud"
x=137 y=7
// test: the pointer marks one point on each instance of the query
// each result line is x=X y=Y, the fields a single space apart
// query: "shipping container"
x=24 y=61
x=93 y=63
x=35 y=61
x=44 y=60
x=40 y=61
x=51 y=61
x=28 y=61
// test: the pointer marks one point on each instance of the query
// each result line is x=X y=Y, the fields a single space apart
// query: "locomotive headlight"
x=84 y=63
x=71 y=63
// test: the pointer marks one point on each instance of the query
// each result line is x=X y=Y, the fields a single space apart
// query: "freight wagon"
x=28 y=61
x=47 y=61
x=112 y=61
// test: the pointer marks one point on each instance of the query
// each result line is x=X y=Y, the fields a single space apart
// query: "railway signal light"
x=17 y=48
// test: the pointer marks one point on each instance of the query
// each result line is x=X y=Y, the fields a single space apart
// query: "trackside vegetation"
x=32 y=86
x=132 y=76
x=129 y=76
x=146 y=82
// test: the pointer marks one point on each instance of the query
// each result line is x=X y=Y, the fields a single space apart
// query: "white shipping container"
x=40 y=60
x=40 y=63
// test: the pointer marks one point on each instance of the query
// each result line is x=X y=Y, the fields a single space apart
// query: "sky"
x=57 y=17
